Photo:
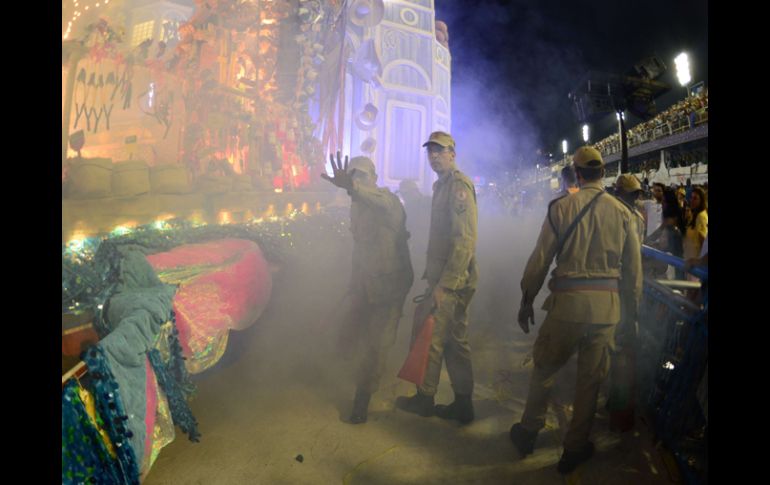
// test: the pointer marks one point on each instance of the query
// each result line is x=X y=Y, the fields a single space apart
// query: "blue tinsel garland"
x=110 y=407
x=176 y=363
x=180 y=410
x=89 y=275
x=108 y=260
x=84 y=456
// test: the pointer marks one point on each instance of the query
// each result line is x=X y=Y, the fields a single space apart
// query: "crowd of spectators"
x=684 y=115
x=529 y=189
x=687 y=159
x=681 y=216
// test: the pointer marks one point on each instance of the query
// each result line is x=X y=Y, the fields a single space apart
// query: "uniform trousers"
x=556 y=342
x=450 y=343
x=374 y=326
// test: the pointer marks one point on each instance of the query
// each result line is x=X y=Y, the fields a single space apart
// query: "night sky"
x=514 y=62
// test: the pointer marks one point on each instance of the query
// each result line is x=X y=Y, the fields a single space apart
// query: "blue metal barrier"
x=674 y=344
x=701 y=272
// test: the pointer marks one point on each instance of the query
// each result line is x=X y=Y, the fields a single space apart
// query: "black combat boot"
x=571 y=459
x=360 y=407
x=461 y=409
x=418 y=404
x=523 y=439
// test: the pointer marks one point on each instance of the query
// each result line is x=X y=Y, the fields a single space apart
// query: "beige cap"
x=587 y=157
x=441 y=138
x=363 y=164
x=628 y=183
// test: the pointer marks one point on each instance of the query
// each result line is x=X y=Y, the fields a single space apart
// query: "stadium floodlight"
x=564 y=147
x=585 y=133
x=683 y=69
x=620 y=115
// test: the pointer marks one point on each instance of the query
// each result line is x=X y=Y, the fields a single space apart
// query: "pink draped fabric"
x=223 y=285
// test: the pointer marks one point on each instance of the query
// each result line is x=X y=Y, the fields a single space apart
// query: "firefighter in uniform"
x=382 y=272
x=628 y=189
x=451 y=273
x=620 y=401
x=595 y=240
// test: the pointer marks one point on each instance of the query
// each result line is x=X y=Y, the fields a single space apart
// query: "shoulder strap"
x=562 y=239
x=550 y=221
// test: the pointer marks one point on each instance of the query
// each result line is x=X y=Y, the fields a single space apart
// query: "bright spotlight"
x=585 y=133
x=683 y=69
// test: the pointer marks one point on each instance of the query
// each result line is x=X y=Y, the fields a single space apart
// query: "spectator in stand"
x=697 y=225
x=653 y=209
x=702 y=260
x=698 y=217
x=681 y=198
x=667 y=238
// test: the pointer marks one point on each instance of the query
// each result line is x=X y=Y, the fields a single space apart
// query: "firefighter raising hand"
x=342 y=178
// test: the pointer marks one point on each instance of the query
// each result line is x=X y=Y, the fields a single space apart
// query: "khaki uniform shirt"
x=640 y=223
x=381 y=262
x=451 y=259
x=628 y=297
x=604 y=244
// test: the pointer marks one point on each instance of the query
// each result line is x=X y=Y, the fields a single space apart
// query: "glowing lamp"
x=682 y=69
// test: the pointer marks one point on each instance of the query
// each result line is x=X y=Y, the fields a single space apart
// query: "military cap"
x=363 y=164
x=628 y=183
x=441 y=138
x=587 y=157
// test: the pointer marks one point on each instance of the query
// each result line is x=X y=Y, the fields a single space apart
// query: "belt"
x=583 y=284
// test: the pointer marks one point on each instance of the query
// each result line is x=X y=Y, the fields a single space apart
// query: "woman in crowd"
x=697 y=224
x=681 y=194
x=668 y=237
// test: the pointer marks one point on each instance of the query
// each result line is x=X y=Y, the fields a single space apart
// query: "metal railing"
x=673 y=344
x=661 y=130
x=638 y=136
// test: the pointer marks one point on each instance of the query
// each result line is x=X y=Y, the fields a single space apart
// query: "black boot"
x=571 y=459
x=418 y=404
x=360 y=407
x=523 y=439
x=461 y=409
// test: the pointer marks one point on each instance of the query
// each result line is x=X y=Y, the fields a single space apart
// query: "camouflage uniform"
x=451 y=264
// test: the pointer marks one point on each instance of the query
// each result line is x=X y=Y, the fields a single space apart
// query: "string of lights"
x=78 y=12
x=281 y=238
